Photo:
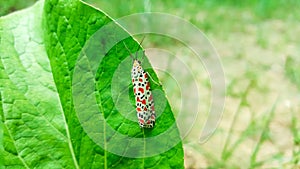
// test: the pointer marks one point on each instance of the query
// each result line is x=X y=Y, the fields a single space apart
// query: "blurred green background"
x=259 y=45
x=8 y=6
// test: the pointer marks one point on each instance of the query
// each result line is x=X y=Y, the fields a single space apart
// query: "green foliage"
x=39 y=127
x=9 y=6
x=261 y=8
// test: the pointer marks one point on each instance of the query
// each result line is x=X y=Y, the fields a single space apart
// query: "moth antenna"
x=143 y=50
x=128 y=51
x=132 y=57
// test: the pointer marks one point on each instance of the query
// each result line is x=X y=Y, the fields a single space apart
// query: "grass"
x=296 y=135
x=258 y=41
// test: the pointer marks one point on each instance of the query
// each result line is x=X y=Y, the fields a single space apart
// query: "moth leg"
x=157 y=83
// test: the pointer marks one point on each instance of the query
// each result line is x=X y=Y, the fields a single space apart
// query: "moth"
x=143 y=96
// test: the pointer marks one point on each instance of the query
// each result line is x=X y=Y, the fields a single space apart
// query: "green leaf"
x=42 y=50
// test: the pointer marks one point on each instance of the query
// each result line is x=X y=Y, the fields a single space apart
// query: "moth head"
x=136 y=68
x=136 y=63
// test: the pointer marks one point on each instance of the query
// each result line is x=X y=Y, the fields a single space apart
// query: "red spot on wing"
x=140 y=79
x=147 y=86
x=144 y=101
x=152 y=107
x=141 y=121
x=153 y=117
x=138 y=109
x=141 y=90
x=150 y=97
